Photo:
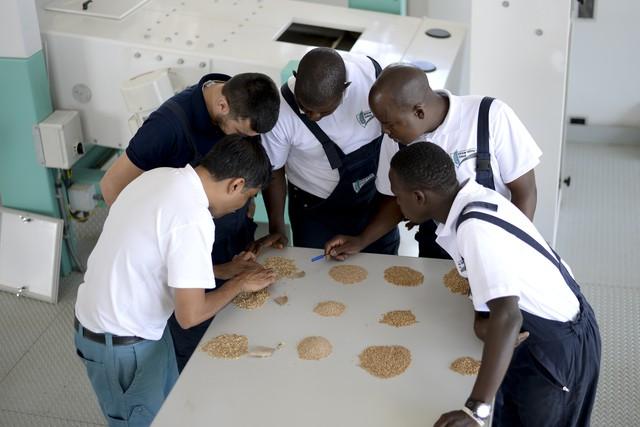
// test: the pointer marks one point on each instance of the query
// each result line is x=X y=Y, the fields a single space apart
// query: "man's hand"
x=341 y=247
x=244 y=261
x=253 y=281
x=275 y=240
x=480 y=328
x=456 y=419
x=409 y=225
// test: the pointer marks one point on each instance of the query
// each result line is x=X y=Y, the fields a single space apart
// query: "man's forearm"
x=274 y=200
x=216 y=301
x=386 y=218
x=501 y=333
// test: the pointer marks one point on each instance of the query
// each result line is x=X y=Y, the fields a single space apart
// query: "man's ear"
x=222 y=104
x=420 y=197
x=418 y=111
x=236 y=185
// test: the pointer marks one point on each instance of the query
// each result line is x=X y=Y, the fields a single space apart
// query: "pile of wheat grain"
x=385 y=361
x=399 y=318
x=251 y=300
x=348 y=274
x=403 y=276
x=283 y=267
x=227 y=346
x=456 y=283
x=465 y=366
x=314 y=348
x=330 y=308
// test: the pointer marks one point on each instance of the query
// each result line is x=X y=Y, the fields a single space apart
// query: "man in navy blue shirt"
x=180 y=132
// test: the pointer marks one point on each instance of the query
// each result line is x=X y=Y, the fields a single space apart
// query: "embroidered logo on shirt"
x=357 y=185
x=364 y=117
x=462 y=267
x=461 y=156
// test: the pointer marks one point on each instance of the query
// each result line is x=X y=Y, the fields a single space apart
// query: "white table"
x=284 y=390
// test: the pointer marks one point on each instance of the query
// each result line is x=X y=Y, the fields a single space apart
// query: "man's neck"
x=443 y=214
x=437 y=112
x=210 y=93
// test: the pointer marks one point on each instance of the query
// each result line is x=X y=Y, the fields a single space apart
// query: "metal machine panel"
x=30 y=254
x=91 y=57
x=113 y=9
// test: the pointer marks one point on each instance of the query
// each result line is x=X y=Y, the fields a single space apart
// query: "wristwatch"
x=479 y=409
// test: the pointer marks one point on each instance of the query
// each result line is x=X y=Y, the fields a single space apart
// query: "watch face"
x=483 y=410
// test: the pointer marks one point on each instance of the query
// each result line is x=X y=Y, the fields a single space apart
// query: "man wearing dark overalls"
x=329 y=142
x=483 y=136
x=527 y=293
x=180 y=132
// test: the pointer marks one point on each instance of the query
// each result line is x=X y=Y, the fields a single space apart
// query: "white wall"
x=604 y=69
x=19 y=32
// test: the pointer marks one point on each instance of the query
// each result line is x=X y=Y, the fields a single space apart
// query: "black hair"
x=425 y=166
x=238 y=156
x=253 y=96
x=320 y=79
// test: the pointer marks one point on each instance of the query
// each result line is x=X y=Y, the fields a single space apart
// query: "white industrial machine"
x=95 y=50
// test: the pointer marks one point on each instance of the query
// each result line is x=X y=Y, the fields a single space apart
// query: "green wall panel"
x=24 y=101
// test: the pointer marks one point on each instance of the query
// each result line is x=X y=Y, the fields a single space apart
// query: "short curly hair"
x=320 y=79
x=425 y=166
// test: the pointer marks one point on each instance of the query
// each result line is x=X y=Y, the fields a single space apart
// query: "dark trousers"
x=531 y=396
x=186 y=340
x=313 y=227
x=311 y=233
x=427 y=246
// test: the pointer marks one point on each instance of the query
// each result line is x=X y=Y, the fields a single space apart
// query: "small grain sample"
x=465 y=366
x=284 y=267
x=330 y=308
x=227 y=346
x=314 y=348
x=348 y=274
x=385 y=361
x=399 y=318
x=403 y=276
x=281 y=300
x=456 y=283
x=251 y=300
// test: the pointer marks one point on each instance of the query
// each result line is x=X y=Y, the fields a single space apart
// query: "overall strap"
x=333 y=152
x=178 y=111
x=526 y=238
x=376 y=66
x=484 y=174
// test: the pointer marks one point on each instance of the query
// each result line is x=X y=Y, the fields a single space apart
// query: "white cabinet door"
x=519 y=53
x=30 y=254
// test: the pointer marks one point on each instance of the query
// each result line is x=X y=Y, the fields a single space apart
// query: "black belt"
x=100 y=338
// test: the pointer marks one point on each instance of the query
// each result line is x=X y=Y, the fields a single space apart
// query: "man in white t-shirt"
x=518 y=285
x=484 y=137
x=154 y=257
x=328 y=141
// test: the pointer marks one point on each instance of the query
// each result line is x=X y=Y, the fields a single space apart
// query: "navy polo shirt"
x=161 y=141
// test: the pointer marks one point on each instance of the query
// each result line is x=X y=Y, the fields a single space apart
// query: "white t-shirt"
x=499 y=264
x=291 y=144
x=159 y=235
x=513 y=150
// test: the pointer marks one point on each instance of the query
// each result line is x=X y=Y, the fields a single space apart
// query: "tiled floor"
x=42 y=383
